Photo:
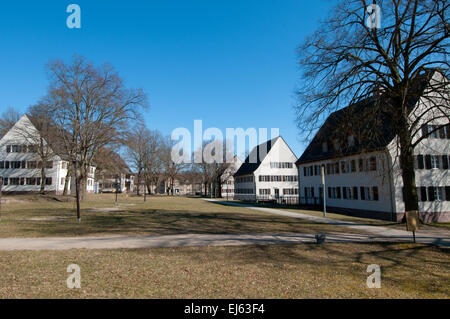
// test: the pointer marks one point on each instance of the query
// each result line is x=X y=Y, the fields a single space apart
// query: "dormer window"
x=336 y=145
x=351 y=141
x=324 y=147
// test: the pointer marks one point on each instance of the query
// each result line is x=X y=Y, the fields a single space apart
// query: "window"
x=263 y=191
x=281 y=165
x=32 y=165
x=435 y=162
x=353 y=166
x=2 y=165
x=373 y=164
x=343 y=167
x=15 y=148
x=48 y=181
x=309 y=192
x=361 y=165
x=324 y=147
x=375 y=193
x=336 y=168
x=49 y=164
x=351 y=141
x=355 y=192
x=290 y=191
x=8 y=148
x=5 y=181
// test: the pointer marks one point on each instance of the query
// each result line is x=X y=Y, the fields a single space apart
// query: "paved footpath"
x=374 y=234
x=441 y=237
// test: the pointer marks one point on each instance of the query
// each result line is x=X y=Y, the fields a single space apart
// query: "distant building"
x=113 y=174
x=362 y=170
x=227 y=178
x=268 y=173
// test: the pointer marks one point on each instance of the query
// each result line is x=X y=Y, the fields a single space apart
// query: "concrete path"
x=185 y=240
x=440 y=238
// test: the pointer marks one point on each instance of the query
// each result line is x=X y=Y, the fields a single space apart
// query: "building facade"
x=21 y=166
x=363 y=176
x=268 y=174
x=227 y=179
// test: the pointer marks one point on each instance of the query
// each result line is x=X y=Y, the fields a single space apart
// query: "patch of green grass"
x=159 y=215
x=330 y=270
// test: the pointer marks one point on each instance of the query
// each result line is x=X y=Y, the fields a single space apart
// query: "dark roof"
x=250 y=165
x=369 y=121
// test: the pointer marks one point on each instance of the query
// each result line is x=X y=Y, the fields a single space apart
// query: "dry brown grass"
x=35 y=216
x=288 y=271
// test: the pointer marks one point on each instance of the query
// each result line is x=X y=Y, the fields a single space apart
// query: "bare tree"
x=8 y=119
x=92 y=109
x=171 y=168
x=137 y=144
x=153 y=164
x=213 y=167
x=351 y=59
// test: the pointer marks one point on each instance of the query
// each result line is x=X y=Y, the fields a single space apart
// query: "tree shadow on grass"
x=161 y=222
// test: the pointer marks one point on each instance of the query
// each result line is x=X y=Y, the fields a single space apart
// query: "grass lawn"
x=286 y=271
x=37 y=216
x=360 y=220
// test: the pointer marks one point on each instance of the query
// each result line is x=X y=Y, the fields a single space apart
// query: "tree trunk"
x=138 y=191
x=66 y=181
x=42 y=191
x=407 y=166
x=77 y=192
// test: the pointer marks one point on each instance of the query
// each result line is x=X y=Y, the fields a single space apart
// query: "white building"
x=20 y=165
x=268 y=173
x=362 y=171
x=227 y=178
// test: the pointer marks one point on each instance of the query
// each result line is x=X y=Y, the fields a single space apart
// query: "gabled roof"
x=250 y=165
x=370 y=124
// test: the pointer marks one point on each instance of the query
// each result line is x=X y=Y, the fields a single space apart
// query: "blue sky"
x=228 y=63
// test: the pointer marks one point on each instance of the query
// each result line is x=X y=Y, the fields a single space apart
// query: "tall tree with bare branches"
x=8 y=119
x=379 y=50
x=92 y=109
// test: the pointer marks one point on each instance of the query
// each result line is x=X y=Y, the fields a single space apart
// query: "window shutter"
x=363 y=196
x=447 y=193
x=447 y=128
x=423 y=194
x=304 y=170
x=312 y=192
x=375 y=193
x=329 y=192
x=420 y=162
x=424 y=130
x=442 y=132
x=431 y=197
x=428 y=161
x=344 y=192
x=444 y=161
x=355 y=192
